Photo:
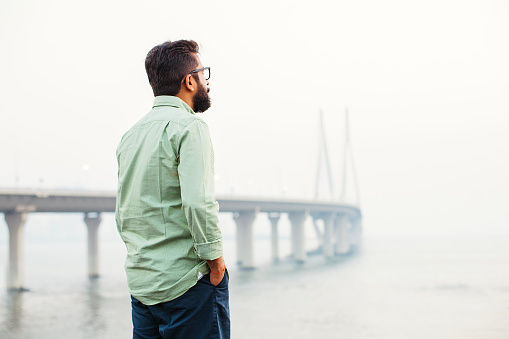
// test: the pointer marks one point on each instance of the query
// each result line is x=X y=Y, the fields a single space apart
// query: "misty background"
x=426 y=85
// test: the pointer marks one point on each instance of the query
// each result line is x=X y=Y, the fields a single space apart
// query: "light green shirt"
x=166 y=212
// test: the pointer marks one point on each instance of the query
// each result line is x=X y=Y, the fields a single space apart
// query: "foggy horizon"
x=425 y=85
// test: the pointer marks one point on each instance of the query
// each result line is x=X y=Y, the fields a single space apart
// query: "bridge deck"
x=74 y=201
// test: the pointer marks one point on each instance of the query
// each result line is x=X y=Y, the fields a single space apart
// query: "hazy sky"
x=426 y=84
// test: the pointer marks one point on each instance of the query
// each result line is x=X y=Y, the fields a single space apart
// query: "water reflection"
x=13 y=319
x=93 y=322
x=77 y=312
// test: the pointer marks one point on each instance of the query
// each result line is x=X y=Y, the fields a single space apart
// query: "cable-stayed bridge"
x=338 y=225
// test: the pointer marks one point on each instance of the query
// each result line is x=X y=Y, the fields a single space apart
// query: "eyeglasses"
x=206 y=72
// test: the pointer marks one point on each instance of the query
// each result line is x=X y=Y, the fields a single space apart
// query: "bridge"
x=338 y=225
x=341 y=223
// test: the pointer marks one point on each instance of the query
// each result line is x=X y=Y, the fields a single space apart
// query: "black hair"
x=168 y=63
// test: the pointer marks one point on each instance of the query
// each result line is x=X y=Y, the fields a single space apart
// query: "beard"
x=201 y=101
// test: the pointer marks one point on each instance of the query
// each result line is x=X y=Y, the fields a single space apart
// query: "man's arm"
x=196 y=174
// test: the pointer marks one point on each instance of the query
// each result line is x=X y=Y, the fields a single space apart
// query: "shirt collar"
x=167 y=100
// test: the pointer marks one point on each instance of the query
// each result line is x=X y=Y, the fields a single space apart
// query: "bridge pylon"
x=349 y=166
x=323 y=153
x=339 y=230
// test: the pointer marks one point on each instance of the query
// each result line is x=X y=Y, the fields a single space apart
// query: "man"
x=167 y=213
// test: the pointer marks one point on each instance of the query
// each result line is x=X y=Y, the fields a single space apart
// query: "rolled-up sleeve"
x=196 y=175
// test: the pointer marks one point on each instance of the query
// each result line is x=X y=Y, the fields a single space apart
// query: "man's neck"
x=185 y=97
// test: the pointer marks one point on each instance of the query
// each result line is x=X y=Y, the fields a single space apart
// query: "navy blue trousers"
x=201 y=312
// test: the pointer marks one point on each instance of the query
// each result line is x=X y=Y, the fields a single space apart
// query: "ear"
x=189 y=83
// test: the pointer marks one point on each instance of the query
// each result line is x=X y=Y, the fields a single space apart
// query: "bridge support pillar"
x=328 y=235
x=341 y=234
x=245 y=238
x=356 y=232
x=93 y=220
x=297 y=220
x=274 y=220
x=15 y=275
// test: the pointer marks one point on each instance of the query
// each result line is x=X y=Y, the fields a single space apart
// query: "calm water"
x=406 y=287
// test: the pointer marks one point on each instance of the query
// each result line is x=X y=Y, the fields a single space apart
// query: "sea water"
x=434 y=286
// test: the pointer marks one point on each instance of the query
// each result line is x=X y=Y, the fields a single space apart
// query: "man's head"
x=171 y=68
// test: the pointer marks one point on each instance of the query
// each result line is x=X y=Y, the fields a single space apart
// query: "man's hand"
x=217 y=270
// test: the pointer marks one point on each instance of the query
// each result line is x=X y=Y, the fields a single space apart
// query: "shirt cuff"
x=209 y=250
